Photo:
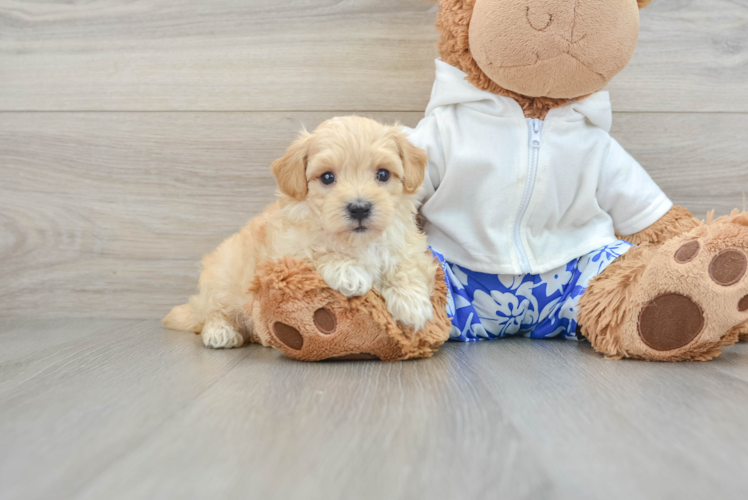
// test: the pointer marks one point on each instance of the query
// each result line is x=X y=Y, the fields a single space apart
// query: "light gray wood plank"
x=88 y=394
x=688 y=50
x=699 y=160
x=26 y=338
x=274 y=55
x=135 y=411
x=108 y=214
x=653 y=430
x=224 y=55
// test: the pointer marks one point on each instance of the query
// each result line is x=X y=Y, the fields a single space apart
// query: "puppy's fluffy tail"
x=182 y=318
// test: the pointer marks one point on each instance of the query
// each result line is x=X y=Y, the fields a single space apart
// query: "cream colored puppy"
x=347 y=204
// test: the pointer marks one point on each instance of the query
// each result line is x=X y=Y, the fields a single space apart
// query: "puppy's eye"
x=327 y=178
x=383 y=175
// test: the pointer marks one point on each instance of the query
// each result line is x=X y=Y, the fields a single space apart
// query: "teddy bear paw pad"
x=325 y=321
x=670 y=321
x=743 y=304
x=693 y=293
x=728 y=267
x=288 y=335
x=687 y=252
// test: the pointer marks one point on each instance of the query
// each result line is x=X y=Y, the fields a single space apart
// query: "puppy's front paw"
x=219 y=334
x=411 y=309
x=351 y=281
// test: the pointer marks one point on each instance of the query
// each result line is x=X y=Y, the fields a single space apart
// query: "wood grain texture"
x=125 y=409
x=108 y=214
x=272 y=55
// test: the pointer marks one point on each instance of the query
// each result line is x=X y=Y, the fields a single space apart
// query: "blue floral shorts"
x=490 y=306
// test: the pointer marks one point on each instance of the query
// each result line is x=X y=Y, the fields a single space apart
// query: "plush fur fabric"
x=517 y=40
x=290 y=292
x=674 y=223
x=553 y=48
x=613 y=308
x=742 y=332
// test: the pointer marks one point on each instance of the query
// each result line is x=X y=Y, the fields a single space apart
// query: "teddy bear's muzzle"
x=553 y=48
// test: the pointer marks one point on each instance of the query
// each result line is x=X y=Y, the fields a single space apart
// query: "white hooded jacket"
x=508 y=195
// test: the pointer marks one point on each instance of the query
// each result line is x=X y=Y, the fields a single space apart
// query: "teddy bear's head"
x=542 y=53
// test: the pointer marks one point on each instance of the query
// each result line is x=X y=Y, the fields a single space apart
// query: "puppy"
x=347 y=204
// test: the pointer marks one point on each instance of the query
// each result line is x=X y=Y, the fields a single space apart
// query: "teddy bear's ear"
x=644 y=3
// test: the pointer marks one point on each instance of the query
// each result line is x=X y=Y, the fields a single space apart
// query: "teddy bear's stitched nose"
x=539 y=20
x=562 y=23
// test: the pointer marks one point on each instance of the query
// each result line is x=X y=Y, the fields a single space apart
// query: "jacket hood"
x=451 y=87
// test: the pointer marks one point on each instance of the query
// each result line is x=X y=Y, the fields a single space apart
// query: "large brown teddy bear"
x=679 y=293
x=682 y=293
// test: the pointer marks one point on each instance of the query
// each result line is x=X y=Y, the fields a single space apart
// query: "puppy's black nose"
x=359 y=210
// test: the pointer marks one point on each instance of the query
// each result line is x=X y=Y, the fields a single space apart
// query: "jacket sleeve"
x=427 y=136
x=628 y=194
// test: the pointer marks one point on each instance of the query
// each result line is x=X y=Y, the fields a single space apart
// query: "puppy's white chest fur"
x=352 y=271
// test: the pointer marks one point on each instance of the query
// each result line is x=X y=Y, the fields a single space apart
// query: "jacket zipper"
x=536 y=127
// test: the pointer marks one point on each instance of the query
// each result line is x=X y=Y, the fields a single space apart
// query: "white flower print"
x=569 y=309
x=558 y=331
x=457 y=276
x=555 y=280
x=500 y=313
x=461 y=302
x=454 y=332
x=547 y=312
x=595 y=262
x=583 y=262
x=479 y=331
x=510 y=281
x=525 y=290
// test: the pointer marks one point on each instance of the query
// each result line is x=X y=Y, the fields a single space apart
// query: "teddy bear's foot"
x=296 y=312
x=318 y=328
x=743 y=332
x=684 y=300
x=326 y=341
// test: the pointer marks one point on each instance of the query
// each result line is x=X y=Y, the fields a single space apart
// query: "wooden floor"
x=136 y=135
x=126 y=409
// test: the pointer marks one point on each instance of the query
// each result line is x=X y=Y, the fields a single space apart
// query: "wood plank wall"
x=134 y=136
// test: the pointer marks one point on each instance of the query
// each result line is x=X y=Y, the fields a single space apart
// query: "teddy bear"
x=543 y=224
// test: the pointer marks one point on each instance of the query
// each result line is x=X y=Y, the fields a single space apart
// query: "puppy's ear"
x=643 y=3
x=414 y=161
x=290 y=169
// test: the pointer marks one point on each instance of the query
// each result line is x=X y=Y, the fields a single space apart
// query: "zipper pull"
x=537 y=126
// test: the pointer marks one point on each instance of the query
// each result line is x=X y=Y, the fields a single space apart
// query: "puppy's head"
x=354 y=174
